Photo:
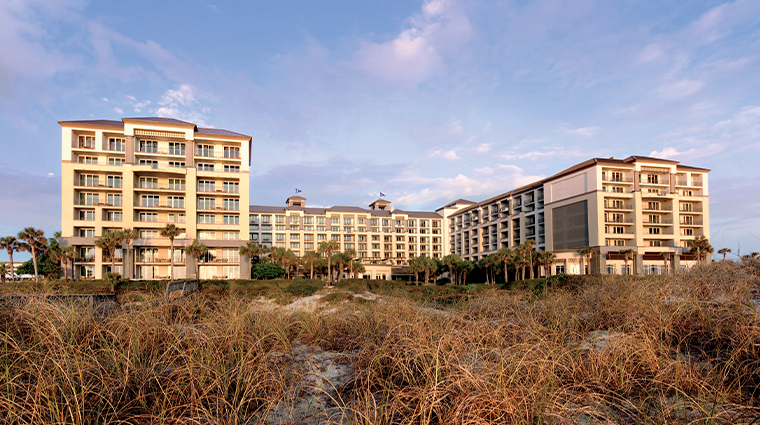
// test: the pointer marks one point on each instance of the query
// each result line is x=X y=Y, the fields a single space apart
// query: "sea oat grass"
x=683 y=348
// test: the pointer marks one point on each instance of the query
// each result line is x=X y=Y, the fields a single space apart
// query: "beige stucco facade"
x=649 y=205
x=383 y=238
x=143 y=173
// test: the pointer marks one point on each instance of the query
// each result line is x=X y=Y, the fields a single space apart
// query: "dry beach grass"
x=602 y=349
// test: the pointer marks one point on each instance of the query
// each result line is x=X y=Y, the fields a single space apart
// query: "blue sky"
x=427 y=101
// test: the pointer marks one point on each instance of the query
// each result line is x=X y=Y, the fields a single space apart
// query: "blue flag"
x=298 y=190
x=382 y=194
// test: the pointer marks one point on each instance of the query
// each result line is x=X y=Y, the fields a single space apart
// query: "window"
x=687 y=220
x=654 y=230
x=148 y=146
x=86 y=233
x=88 y=180
x=115 y=144
x=280 y=237
x=88 y=199
x=308 y=245
x=279 y=227
x=176 y=184
x=149 y=162
x=293 y=228
x=177 y=164
x=266 y=227
x=655 y=243
x=347 y=229
x=205 y=234
x=231 y=236
x=348 y=221
x=231 y=152
x=386 y=223
x=87 y=215
x=115 y=161
x=231 y=168
x=178 y=218
x=231 y=204
x=687 y=232
x=176 y=148
x=333 y=220
x=266 y=219
x=148 y=217
x=308 y=237
x=115 y=181
x=206 y=186
x=294 y=245
x=114 y=216
x=334 y=237
x=559 y=269
x=115 y=200
x=653 y=205
x=348 y=238
x=232 y=255
x=205 y=150
x=88 y=159
x=148 y=234
x=231 y=219
x=87 y=142
x=279 y=219
x=148 y=183
x=254 y=236
x=294 y=219
x=205 y=167
x=176 y=201
x=206 y=203
x=321 y=237
x=334 y=228
x=149 y=200
x=654 y=218
x=231 y=187
x=610 y=269
x=653 y=179
x=320 y=220
x=294 y=236
x=308 y=220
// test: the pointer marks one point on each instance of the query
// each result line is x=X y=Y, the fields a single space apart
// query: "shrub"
x=303 y=287
x=267 y=271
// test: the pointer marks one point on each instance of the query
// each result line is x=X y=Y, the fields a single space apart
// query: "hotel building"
x=143 y=173
x=384 y=239
x=649 y=205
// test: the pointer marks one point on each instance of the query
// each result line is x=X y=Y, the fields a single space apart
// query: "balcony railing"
x=619 y=220
x=647 y=221
x=617 y=180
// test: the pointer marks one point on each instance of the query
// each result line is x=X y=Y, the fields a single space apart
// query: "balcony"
x=177 y=205
x=617 y=180
x=691 y=223
x=685 y=183
x=84 y=259
x=619 y=220
x=621 y=206
x=690 y=210
x=661 y=208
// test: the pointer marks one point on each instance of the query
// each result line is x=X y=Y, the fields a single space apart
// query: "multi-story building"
x=383 y=238
x=654 y=207
x=143 y=173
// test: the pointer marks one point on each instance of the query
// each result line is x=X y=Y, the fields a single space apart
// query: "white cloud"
x=680 y=89
x=483 y=148
x=483 y=182
x=183 y=96
x=533 y=155
x=118 y=110
x=447 y=155
x=417 y=53
x=690 y=154
x=583 y=131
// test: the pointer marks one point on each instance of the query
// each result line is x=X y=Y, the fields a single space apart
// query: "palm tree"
x=665 y=258
x=529 y=248
x=248 y=251
x=327 y=248
x=465 y=267
x=10 y=244
x=415 y=267
x=3 y=271
x=358 y=267
x=129 y=236
x=702 y=245
x=108 y=243
x=171 y=231
x=290 y=260
x=340 y=262
x=627 y=255
x=585 y=254
x=724 y=251
x=520 y=261
x=197 y=250
x=33 y=241
x=506 y=256
x=546 y=260
x=310 y=257
x=350 y=254
x=67 y=255
x=450 y=261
